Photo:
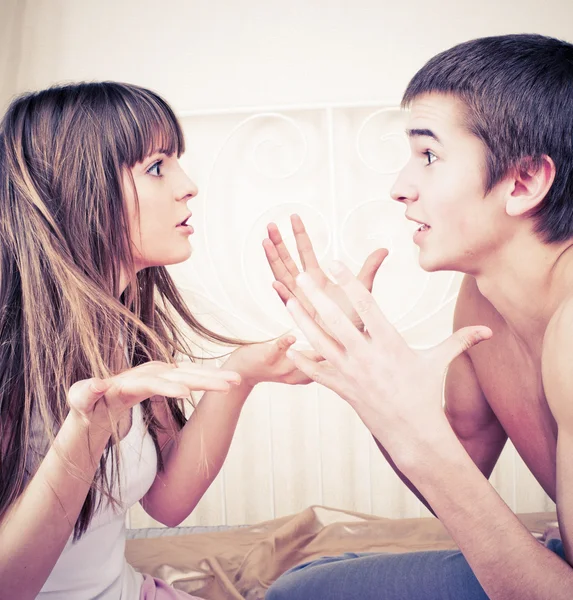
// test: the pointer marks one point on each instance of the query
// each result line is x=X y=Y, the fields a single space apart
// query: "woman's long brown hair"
x=63 y=239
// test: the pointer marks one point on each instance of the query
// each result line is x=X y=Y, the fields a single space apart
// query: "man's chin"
x=428 y=264
x=431 y=264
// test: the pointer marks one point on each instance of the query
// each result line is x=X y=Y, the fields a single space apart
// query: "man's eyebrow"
x=422 y=133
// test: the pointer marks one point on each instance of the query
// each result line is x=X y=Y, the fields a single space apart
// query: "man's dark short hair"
x=518 y=93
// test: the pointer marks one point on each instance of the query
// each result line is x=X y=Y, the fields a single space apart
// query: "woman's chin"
x=182 y=257
x=166 y=261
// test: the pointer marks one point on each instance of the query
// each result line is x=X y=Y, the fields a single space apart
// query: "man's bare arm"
x=468 y=412
x=558 y=385
x=397 y=392
x=467 y=409
x=507 y=560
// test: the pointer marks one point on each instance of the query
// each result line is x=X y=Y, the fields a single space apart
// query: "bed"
x=221 y=563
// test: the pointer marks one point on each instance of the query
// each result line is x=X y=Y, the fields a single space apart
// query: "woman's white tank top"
x=95 y=566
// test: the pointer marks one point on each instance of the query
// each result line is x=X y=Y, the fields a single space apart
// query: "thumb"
x=371 y=266
x=460 y=341
x=284 y=343
x=282 y=290
x=85 y=393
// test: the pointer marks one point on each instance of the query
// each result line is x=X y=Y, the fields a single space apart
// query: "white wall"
x=294 y=447
x=203 y=54
x=10 y=47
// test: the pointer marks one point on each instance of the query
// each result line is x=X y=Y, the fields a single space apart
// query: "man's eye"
x=430 y=156
x=155 y=169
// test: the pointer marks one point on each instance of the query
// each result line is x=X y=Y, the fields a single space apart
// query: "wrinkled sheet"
x=242 y=563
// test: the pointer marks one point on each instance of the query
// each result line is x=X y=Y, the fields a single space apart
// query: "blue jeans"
x=436 y=575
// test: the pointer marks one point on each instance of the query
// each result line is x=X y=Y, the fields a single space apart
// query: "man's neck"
x=526 y=281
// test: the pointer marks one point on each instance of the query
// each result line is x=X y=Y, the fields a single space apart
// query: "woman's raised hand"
x=123 y=391
x=257 y=363
x=285 y=271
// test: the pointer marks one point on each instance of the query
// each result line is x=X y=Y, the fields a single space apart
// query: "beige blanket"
x=242 y=563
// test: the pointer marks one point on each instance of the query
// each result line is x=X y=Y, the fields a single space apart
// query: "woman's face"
x=158 y=220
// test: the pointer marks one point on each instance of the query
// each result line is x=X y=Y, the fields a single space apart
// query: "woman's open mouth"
x=184 y=226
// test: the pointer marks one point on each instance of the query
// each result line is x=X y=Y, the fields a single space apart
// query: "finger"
x=284 y=343
x=83 y=395
x=371 y=266
x=277 y=240
x=280 y=272
x=363 y=302
x=284 y=294
x=195 y=382
x=277 y=349
x=131 y=391
x=312 y=355
x=297 y=377
x=319 y=372
x=460 y=341
x=214 y=372
x=322 y=343
x=332 y=316
x=303 y=244
x=282 y=290
x=158 y=368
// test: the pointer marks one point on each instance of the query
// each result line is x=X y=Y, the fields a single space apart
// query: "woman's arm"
x=34 y=531
x=194 y=458
x=37 y=526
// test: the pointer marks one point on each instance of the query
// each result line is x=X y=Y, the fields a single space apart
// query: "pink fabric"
x=156 y=589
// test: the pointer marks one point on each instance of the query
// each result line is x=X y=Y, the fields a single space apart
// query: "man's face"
x=442 y=187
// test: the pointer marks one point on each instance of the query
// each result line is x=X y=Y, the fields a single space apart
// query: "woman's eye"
x=155 y=169
x=430 y=156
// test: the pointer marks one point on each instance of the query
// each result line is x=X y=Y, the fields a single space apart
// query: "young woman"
x=93 y=205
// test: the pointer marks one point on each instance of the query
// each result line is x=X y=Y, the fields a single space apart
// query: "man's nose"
x=403 y=189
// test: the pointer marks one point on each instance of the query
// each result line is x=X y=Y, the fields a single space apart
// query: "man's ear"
x=529 y=184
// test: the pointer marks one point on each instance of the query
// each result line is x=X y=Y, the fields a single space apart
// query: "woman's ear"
x=530 y=183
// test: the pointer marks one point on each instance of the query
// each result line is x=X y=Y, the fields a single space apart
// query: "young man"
x=490 y=180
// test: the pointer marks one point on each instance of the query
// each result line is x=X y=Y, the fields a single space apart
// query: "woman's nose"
x=187 y=187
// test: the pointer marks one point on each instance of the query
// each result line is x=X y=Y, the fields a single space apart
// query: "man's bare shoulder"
x=558 y=335
x=556 y=362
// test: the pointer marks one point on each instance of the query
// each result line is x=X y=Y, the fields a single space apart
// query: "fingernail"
x=483 y=334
